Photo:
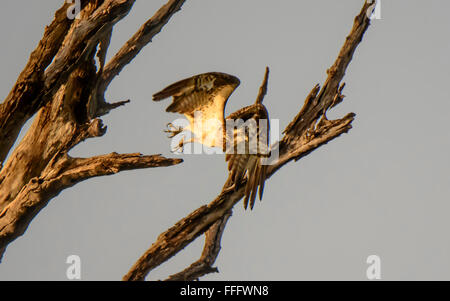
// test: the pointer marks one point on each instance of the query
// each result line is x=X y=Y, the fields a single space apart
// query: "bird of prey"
x=246 y=147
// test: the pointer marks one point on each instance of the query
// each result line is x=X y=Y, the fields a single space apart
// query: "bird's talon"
x=173 y=130
x=180 y=147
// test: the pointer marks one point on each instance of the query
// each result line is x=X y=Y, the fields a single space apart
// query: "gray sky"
x=381 y=189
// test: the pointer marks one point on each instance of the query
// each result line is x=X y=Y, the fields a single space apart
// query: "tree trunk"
x=65 y=88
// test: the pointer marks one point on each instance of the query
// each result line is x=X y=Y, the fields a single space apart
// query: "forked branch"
x=209 y=255
x=138 y=41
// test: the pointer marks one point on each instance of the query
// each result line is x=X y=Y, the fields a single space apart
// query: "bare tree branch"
x=186 y=230
x=139 y=40
x=132 y=47
x=68 y=49
x=309 y=130
x=75 y=170
x=94 y=27
x=20 y=104
x=263 y=89
x=209 y=255
x=61 y=173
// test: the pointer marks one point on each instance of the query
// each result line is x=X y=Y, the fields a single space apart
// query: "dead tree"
x=64 y=87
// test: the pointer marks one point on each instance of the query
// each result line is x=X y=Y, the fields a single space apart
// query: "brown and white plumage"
x=208 y=93
x=251 y=162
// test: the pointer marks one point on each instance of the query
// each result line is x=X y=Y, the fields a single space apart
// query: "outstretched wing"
x=207 y=92
x=249 y=162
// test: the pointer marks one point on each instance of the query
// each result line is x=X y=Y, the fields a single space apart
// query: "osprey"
x=202 y=99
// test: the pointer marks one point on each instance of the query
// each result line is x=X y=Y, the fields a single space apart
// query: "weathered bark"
x=22 y=102
x=186 y=230
x=61 y=94
x=64 y=172
x=138 y=41
x=209 y=255
x=309 y=130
